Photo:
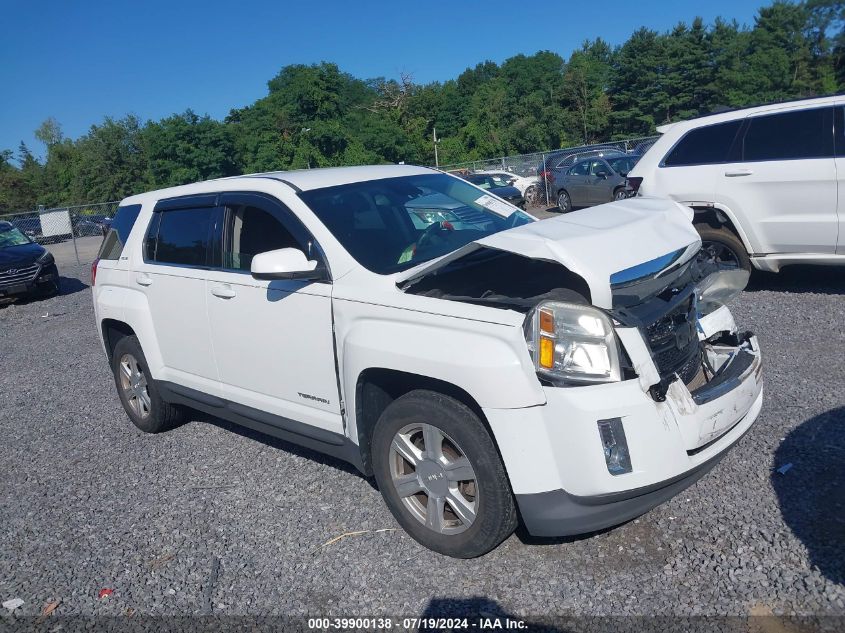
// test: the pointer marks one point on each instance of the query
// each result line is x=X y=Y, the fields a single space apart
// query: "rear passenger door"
x=273 y=340
x=782 y=186
x=172 y=275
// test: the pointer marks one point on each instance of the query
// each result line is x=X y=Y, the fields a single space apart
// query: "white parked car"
x=767 y=184
x=475 y=361
x=506 y=178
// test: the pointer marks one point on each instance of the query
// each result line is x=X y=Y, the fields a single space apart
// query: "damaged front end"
x=667 y=327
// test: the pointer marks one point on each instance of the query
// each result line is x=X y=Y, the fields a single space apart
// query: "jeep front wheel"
x=724 y=247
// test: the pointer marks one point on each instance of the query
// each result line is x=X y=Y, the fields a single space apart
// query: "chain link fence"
x=533 y=174
x=72 y=234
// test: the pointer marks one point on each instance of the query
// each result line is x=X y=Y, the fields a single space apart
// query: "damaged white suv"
x=481 y=365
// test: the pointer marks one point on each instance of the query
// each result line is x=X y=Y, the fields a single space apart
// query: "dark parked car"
x=494 y=186
x=591 y=181
x=26 y=267
x=88 y=225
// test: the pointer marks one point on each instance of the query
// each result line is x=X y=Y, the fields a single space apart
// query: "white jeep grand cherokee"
x=580 y=370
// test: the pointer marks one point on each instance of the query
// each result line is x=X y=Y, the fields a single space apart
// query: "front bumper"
x=555 y=458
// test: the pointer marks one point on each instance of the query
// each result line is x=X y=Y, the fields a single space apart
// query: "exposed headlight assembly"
x=573 y=343
x=720 y=287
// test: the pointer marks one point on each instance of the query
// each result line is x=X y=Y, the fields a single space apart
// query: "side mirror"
x=602 y=174
x=285 y=263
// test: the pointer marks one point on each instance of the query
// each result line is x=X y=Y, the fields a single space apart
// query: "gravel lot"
x=210 y=518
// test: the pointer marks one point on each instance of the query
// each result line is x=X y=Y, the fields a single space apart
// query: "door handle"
x=143 y=280
x=738 y=173
x=224 y=292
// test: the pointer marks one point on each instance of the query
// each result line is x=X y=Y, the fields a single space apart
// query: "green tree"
x=187 y=148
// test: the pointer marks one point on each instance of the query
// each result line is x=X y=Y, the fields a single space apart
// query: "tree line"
x=317 y=115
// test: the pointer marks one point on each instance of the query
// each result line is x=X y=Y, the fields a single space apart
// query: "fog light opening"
x=615 y=446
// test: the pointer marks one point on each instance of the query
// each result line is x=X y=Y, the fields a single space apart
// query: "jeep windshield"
x=393 y=224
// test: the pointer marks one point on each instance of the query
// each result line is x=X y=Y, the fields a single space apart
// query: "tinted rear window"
x=839 y=125
x=182 y=237
x=789 y=136
x=704 y=145
x=121 y=227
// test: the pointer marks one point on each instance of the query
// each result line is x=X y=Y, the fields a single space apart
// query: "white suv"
x=475 y=361
x=767 y=184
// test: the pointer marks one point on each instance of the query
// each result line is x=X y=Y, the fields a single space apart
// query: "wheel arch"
x=721 y=217
x=377 y=387
x=113 y=331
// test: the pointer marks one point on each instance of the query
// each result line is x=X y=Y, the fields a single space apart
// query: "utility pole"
x=434 y=138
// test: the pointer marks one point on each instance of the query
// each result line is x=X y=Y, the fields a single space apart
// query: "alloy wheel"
x=722 y=254
x=133 y=381
x=434 y=478
x=563 y=202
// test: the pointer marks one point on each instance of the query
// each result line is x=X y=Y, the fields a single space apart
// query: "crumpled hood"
x=593 y=243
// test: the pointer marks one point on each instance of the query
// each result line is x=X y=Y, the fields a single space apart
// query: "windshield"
x=13 y=237
x=394 y=224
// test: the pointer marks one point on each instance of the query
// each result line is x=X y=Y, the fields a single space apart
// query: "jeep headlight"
x=573 y=343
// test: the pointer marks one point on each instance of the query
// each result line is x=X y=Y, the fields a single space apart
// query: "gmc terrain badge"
x=308 y=396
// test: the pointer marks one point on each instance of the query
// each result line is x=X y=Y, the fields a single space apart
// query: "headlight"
x=573 y=344
x=718 y=288
x=46 y=259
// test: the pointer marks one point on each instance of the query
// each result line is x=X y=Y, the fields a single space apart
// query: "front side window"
x=182 y=238
x=121 y=227
x=789 y=136
x=13 y=237
x=581 y=169
x=704 y=146
x=839 y=130
x=250 y=231
x=598 y=166
x=393 y=224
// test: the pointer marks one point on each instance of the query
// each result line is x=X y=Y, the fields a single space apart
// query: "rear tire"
x=138 y=391
x=564 y=202
x=724 y=246
x=441 y=475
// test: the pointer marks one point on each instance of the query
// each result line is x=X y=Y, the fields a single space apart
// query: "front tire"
x=724 y=247
x=138 y=391
x=441 y=476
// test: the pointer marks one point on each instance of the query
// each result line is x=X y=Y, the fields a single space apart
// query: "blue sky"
x=79 y=61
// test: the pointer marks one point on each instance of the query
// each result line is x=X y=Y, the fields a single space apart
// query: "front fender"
x=489 y=361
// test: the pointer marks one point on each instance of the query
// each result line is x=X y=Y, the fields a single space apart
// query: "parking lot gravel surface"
x=213 y=519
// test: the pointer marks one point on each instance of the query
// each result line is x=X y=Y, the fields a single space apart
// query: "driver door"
x=272 y=340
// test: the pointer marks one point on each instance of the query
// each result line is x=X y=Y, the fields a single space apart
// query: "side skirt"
x=320 y=440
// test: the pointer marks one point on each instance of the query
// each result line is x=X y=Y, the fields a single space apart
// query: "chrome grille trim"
x=22 y=275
